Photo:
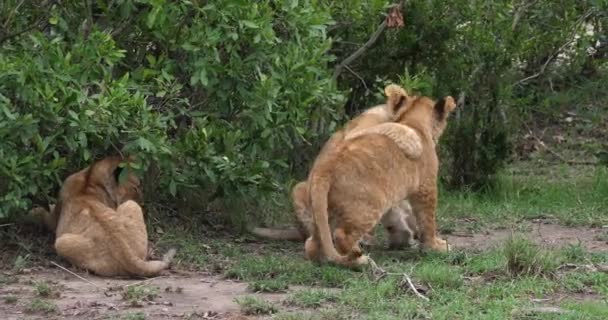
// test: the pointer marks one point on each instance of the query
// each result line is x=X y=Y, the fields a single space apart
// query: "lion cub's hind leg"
x=132 y=217
x=84 y=253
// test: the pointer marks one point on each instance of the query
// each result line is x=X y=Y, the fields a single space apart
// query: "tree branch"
x=370 y=42
x=558 y=51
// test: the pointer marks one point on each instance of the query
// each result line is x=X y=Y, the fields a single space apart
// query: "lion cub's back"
x=373 y=165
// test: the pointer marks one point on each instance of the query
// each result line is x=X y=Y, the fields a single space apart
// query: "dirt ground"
x=187 y=295
x=541 y=232
x=180 y=296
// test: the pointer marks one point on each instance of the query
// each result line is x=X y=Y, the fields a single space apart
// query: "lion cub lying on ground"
x=399 y=222
x=99 y=226
x=351 y=189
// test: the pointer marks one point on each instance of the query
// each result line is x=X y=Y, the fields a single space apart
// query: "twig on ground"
x=6 y=225
x=462 y=234
x=74 y=274
x=141 y=282
x=407 y=279
x=380 y=273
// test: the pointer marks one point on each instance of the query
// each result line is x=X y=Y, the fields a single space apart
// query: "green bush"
x=214 y=96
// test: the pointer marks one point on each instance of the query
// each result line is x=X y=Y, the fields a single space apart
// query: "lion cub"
x=100 y=226
x=351 y=190
x=375 y=120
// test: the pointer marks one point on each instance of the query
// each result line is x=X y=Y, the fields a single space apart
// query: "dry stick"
x=6 y=225
x=381 y=273
x=74 y=274
x=141 y=282
x=359 y=51
x=413 y=288
x=358 y=76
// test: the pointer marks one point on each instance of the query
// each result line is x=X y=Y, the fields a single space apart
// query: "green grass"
x=136 y=295
x=272 y=285
x=134 y=316
x=43 y=289
x=310 y=298
x=38 y=305
x=11 y=299
x=251 y=305
x=462 y=284
x=572 y=197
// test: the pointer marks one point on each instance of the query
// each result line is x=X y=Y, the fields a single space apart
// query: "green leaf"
x=249 y=24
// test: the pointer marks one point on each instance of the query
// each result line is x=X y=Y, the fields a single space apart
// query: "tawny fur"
x=352 y=188
x=100 y=225
x=365 y=123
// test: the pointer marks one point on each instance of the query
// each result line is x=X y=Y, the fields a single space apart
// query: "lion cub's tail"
x=290 y=234
x=318 y=191
x=132 y=263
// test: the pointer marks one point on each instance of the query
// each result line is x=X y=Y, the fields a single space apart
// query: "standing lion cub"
x=375 y=120
x=100 y=226
x=351 y=189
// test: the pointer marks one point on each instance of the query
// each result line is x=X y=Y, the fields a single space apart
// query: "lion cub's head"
x=103 y=179
x=429 y=116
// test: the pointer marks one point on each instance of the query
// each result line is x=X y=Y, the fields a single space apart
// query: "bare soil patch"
x=541 y=232
x=180 y=296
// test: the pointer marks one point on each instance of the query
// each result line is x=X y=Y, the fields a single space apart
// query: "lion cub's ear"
x=396 y=97
x=444 y=106
x=450 y=104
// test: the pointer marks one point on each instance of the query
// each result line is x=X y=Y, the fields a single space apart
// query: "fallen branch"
x=6 y=225
x=74 y=274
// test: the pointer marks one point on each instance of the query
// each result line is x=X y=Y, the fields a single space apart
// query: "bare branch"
x=558 y=51
x=370 y=42
x=358 y=76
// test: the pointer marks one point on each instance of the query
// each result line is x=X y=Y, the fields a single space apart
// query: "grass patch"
x=439 y=275
x=333 y=314
x=251 y=305
x=43 y=289
x=7 y=279
x=11 y=299
x=38 y=305
x=270 y=286
x=134 y=316
x=137 y=295
x=311 y=298
x=574 y=197
x=287 y=269
x=526 y=258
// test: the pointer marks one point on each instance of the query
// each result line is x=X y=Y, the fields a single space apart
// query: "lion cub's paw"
x=168 y=257
x=438 y=245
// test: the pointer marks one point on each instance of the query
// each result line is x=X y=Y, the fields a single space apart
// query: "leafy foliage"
x=210 y=95
x=230 y=99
